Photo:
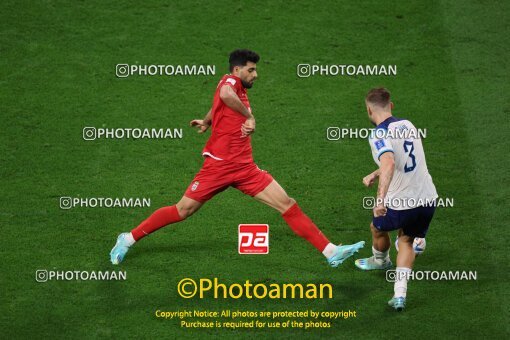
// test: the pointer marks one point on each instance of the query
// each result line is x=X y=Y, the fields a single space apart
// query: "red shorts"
x=216 y=176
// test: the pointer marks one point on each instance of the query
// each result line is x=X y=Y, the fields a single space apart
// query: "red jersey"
x=226 y=142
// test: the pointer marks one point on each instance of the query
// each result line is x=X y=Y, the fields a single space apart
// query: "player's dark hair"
x=378 y=96
x=241 y=57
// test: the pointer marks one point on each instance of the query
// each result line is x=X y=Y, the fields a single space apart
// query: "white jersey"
x=411 y=185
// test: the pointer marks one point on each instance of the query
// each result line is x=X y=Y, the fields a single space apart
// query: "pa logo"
x=253 y=239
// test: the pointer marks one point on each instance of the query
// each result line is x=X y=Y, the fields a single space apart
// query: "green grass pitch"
x=57 y=76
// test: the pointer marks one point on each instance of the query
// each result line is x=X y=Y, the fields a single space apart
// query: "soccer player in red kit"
x=229 y=163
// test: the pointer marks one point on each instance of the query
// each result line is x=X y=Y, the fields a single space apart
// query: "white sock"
x=129 y=239
x=329 y=251
x=402 y=275
x=381 y=257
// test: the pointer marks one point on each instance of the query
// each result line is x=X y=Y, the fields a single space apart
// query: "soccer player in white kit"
x=405 y=195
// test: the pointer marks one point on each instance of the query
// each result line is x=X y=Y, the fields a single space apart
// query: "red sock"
x=158 y=219
x=303 y=226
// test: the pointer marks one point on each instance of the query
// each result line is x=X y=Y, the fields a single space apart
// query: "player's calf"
x=160 y=218
x=276 y=197
x=380 y=239
x=157 y=220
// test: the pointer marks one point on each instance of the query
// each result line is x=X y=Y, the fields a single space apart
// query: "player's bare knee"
x=376 y=232
x=185 y=211
x=373 y=229
x=289 y=202
x=187 y=207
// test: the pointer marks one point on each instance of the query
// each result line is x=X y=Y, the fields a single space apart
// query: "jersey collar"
x=386 y=122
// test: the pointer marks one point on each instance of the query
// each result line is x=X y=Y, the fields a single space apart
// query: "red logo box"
x=253 y=239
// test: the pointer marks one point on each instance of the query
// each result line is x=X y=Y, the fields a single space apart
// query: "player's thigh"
x=213 y=178
x=417 y=221
x=389 y=222
x=276 y=197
